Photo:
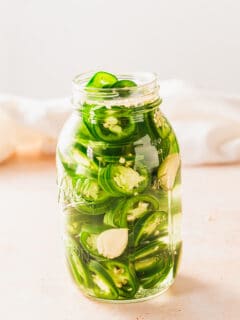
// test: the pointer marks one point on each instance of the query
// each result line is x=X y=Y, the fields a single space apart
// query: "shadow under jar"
x=118 y=169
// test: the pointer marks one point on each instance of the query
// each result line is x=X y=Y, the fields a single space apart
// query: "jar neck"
x=97 y=113
x=146 y=92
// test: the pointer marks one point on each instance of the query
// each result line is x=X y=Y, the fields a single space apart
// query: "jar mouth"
x=147 y=86
x=142 y=79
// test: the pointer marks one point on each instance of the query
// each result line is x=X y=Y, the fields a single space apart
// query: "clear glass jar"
x=118 y=169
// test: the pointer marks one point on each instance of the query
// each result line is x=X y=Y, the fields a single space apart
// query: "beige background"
x=35 y=283
x=45 y=43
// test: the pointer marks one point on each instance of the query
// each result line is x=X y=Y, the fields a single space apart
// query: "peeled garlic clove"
x=112 y=242
x=168 y=170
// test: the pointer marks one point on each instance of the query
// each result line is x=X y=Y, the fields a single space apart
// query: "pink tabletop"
x=35 y=283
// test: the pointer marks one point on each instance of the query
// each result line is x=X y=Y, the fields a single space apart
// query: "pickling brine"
x=119 y=178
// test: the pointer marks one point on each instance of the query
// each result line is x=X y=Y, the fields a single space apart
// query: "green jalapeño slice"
x=129 y=210
x=104 y=286
x=124 y=277
x=115 y=124
x=124 y=84
x=77 y=263
x=102 y=80
x=149 y=226
x=119 y=180
x=89 y=197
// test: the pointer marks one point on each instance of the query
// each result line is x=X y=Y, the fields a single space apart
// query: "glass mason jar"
x=118 y=169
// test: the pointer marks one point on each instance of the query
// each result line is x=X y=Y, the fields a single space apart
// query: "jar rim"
x=147 y=89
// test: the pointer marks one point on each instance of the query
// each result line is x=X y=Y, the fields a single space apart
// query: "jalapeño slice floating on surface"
x=124 y=84
x=102 y=79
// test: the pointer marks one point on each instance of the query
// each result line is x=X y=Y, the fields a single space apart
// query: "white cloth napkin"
x=207 y=124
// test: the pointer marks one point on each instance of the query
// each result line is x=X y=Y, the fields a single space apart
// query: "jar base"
x=149 y=294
